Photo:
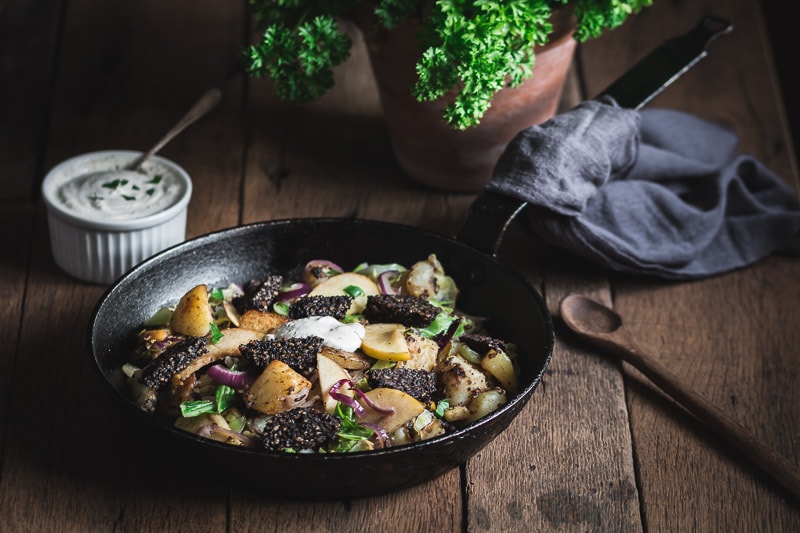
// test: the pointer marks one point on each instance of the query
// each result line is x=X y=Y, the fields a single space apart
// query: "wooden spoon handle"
x=206 y=103
x=783 y=471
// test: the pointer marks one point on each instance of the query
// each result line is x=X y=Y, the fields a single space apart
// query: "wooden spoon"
x=602 y=326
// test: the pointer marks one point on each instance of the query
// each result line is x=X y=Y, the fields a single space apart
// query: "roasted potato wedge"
x=192 y=315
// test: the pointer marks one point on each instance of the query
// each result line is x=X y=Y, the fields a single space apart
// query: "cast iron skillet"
x=516 y=311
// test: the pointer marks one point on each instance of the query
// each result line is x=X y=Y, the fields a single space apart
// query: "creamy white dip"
x=345 y=337
x=118 y=194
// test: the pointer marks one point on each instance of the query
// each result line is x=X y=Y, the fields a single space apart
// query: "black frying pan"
x=488 y=288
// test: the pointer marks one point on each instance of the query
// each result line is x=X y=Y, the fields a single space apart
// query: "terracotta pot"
x=436 y=154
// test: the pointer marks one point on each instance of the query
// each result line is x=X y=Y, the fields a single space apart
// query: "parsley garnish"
x=216 y=334
x=353 y=290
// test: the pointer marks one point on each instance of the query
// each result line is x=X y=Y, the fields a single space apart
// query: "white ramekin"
x=100 y=251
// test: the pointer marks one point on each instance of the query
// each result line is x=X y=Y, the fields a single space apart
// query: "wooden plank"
x=543 y=475
x=73 y=464
x=717 y=334
x=28 y=33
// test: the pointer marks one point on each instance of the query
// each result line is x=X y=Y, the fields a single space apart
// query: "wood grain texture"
x=725 y=336
x=596 y=449
x=29 y=44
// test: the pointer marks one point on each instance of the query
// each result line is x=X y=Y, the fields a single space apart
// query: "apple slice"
x=386 y=342
x=336 y=285
x=329 y=374
x=406 y=408
x=192 y=315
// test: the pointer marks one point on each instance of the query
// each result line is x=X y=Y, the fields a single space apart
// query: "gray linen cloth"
x=657 y=192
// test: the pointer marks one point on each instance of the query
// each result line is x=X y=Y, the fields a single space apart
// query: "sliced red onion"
x=381 y=437
x=372 y=405
x=238 y=379
x=385 y=282
x=323 y=263
x=448 y=335
x=212 y=431
x=296 y=290
x=351 y=402
x=344 y=398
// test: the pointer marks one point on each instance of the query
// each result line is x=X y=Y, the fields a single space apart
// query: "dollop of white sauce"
x=345 y=337
x=121 y=194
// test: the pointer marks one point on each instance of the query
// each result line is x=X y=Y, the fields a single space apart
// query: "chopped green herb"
x=135 y=188
x=224 y=397
x=216 y=334
x=150 y=192
x=113 y=184
x=217 y=295
x=95 y=198
x=156 y=179
x=349 y=319
x=352 y=432
x=441 y=407
x=197 y=407
x=354 y=291
x=129 y=198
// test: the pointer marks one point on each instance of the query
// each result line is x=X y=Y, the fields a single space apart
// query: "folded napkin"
x=656 y=192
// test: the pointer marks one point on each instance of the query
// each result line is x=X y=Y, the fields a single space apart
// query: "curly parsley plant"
x=471 y=47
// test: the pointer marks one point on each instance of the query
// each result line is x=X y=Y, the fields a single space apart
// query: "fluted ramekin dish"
x=98 y=248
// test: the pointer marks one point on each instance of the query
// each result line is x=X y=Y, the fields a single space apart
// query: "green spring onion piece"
x=216 y=334
x=354 y=291
x=224 y=396
x=441 y=407
x=197 y=407
x=160 y=317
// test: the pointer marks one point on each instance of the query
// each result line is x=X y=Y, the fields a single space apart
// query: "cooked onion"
x=295 y=291
x=238 y=379
x=324 y=263
x=447 y=336
x=382 y=439
x=352 y=403
x=214 y=432
x=385 y=282
x=345 y=399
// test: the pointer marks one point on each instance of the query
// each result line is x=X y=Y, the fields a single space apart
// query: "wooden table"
x=597 y=448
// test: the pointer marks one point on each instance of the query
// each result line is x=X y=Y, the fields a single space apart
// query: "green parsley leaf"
x=354 y=290
x=216 y=334
x=129 y=198
x=156 y=179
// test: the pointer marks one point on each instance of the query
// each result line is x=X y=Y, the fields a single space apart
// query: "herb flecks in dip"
x=330 y=362
x=104 y=190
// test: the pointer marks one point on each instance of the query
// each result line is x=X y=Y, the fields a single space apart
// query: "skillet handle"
x=491 y=213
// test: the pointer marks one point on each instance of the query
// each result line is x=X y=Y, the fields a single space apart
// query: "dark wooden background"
x=597 y=448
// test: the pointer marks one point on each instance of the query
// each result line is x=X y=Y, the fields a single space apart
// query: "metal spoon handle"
x=782 y=470
x=206 y=103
